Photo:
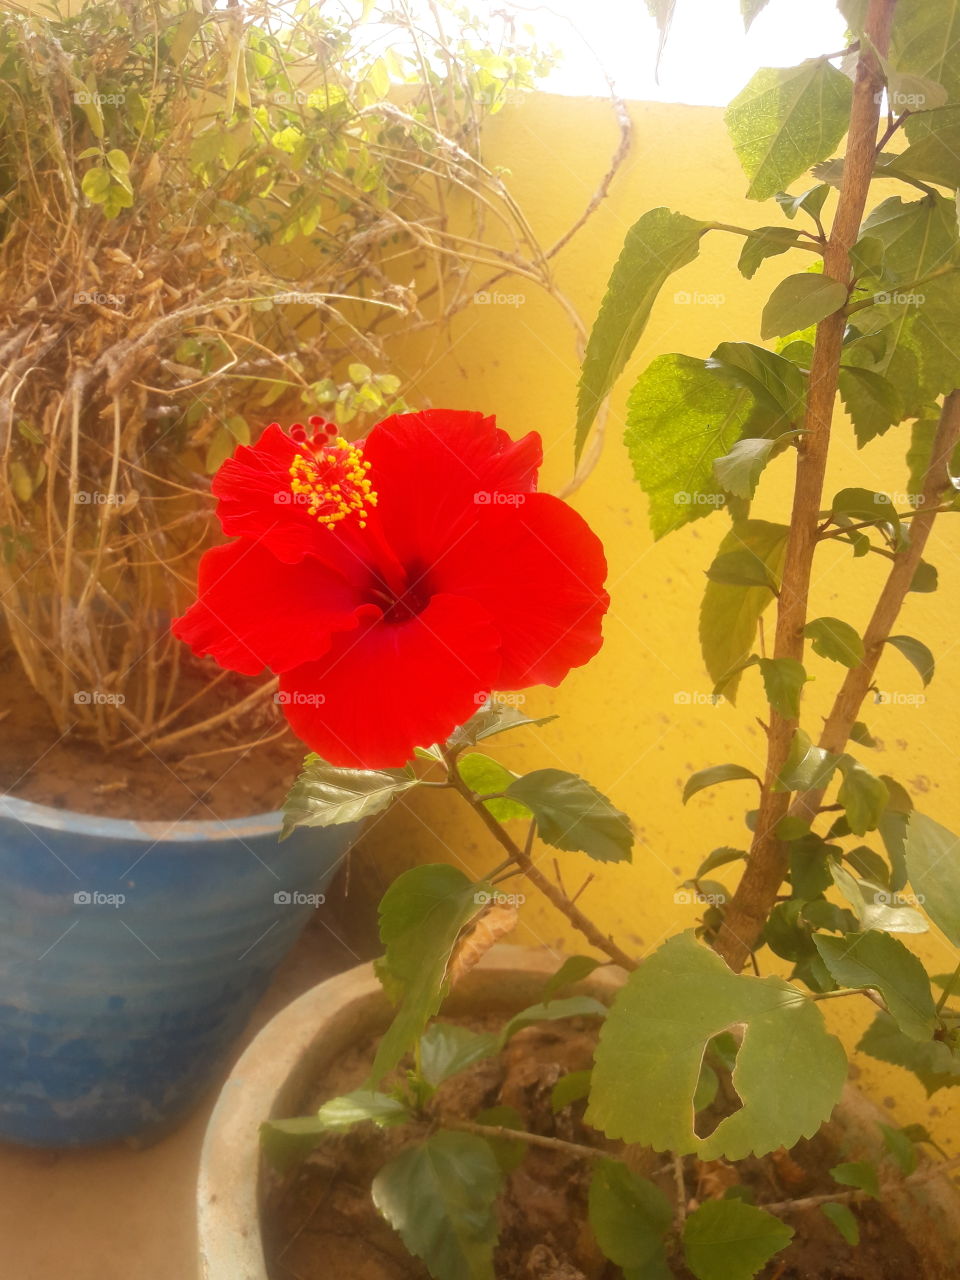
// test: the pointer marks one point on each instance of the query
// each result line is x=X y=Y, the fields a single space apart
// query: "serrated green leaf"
x=731 y=1240
x=446 y=1049
x=882 y=962
x=774 y=381
x=421 y=916
x=729 y=614
x=923 y=42
x=658 y=244
x=704 y=778
x=492 y=718
x=574 y=969
x=931 y=1061
x=785 y=120
x=873 y=402
x=863 y=796
x=325 y=794
x=834 y=639
x=630 y=1217
x=573 y=815
x=439 y=1196
x=485 y=775
x=844 y=1220
x=681 y=417
x=783 y=680
x=917 y=654
x=766 y=242
x=799 y=301
x=739 y=471
x=933 y=862
x=647 y=1062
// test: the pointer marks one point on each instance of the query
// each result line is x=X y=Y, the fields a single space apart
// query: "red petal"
x=391 y=687
x=431 y=469
x=254 y=611
x=538 y=569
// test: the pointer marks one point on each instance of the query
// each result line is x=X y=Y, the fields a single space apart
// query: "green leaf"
x=931 y=1061
x=775 y=382
x=647 y=1062
x=490 y=719
x=719 y=858
x=865 y=504
x=869 y=865
x=749 y=10
x=446 y=1049
x=882 y=962
x=872 y=905
x=325 y=794
x=844 y=1220
x=485 y=775
x=572 y=1087
x=766 y=242
x=553 y=1011
x=901 y=1148
x=574 y=969
x=860 y=734
x=658 y=244
x=783 y=680
x=286 y=1142
x=739 y=470
x=95 y=185
x=925 y=578
x=716 y=773
x=573 y=815
x=810 y=201
x=872 y=401
x=630 y=1216
x=923 y=43
x=863 y=796
x=916 y=235
x=807 y=768
x=917 y=654
x=799 y=301
x=785 y=120
x=729 y=614
x=439 y=1196
x=933 y=861
x=834 y=639
x=731 y=1240
x=858 y=1173
x=741 y=568
x=681 y=417
x=421 y=915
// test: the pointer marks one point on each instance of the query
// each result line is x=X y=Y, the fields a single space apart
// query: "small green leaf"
x=933 y=861
x=860 y=734
x=421 y=915
x=630 y=1216
x=553 y=1011
x=807 y=768
x=359 y=373
x=917 y=654
x=731 y=1240
x=881 y=961
x=785 y=120
x=716 y=773
x=439 y=1196
x=741 y=568
x=863 y=796
x=574 y=969
x=810 y=201
x=901 y=1148
x=491 y=718
x=95 y=185
x=325 y=794
x=860 y=1174
x=873 y=402
x=446 y=1049
x=931 y=1061
x=739 y=470
x=777 y=385
x=766 y=242
x=799 y=301
x=286 y=1142
x=875 y=907
x=647 y=1062
x=573 y=815
x=831 y=638
x=572 y=1087
x=485 y=775
x=865 y=504
x=925 y=578
x=729 y=615
x=844 y=1220
x=719 y=858
x=783 y=680
x=658 y=244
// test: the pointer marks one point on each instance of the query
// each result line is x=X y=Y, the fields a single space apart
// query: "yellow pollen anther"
x=333 y=483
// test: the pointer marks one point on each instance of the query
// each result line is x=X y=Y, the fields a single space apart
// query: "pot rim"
x=173 y=831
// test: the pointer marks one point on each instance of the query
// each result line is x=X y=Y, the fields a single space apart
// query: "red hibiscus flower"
x=393 y=583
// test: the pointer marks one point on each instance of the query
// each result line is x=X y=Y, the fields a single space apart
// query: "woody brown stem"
x=767 y=864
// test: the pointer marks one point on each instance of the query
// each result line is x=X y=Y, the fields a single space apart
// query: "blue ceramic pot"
x=131 y=956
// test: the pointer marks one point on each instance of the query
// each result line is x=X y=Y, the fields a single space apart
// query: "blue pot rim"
x=177 y=831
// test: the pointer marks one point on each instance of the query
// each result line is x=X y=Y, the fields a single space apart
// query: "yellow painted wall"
x=620 y=722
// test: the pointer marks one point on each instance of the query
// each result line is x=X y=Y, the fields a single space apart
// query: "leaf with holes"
x=647 y=1063
x=658 y=243
x=439 y=1196
x=573 y=815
